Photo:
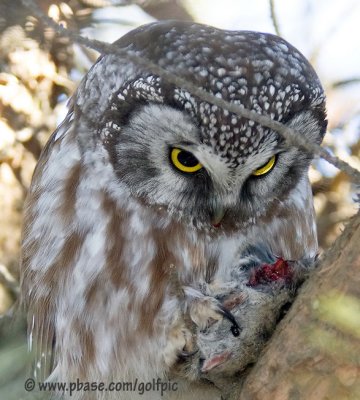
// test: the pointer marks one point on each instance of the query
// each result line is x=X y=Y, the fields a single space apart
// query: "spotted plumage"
x=143 y=179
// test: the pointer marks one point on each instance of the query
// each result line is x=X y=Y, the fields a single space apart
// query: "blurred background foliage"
x=39 y=71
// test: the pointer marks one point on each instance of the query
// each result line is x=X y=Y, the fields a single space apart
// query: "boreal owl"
x=163 y=234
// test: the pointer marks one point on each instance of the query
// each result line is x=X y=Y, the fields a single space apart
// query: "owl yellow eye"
x=266 y=167
x=184 y=161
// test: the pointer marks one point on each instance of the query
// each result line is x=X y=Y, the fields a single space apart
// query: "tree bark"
x=315 y=352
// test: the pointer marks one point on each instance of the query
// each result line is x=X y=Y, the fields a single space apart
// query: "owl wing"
x=41 y=332
x=38 y=302
x=41 y=338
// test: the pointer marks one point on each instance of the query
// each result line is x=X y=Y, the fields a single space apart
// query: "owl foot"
x=202 y=314
x=265 y=284
x=179 y=345
x=230 y=302
x=266 y=273
x=205 y=311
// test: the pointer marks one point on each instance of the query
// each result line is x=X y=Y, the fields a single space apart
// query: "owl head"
x=200 y=163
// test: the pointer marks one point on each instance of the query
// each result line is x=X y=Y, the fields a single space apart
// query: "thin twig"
x=291 y=136
x=345 y=82
x=274 y=17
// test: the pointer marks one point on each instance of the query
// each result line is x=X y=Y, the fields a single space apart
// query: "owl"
x=163 y=234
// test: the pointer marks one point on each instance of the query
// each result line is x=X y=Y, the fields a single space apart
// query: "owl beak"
x=217 y=216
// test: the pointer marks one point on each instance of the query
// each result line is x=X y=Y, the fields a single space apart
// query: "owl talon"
x=185 y=355
x=235 y=328
x=207 y=310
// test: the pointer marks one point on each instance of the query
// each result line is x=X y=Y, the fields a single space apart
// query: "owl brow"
x=291 y=136
x=186 y=144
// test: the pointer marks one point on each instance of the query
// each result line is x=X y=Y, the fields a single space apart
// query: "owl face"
x=164 y=162
x=206 y=166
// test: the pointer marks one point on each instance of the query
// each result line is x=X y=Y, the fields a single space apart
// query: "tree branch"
x=274 y=17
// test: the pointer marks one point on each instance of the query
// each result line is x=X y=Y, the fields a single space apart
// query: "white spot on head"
x=221 y=72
